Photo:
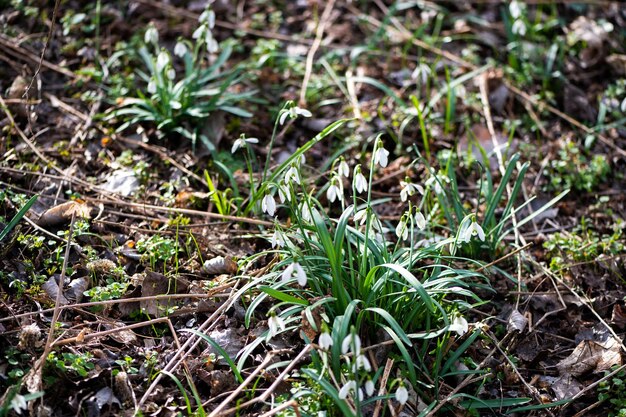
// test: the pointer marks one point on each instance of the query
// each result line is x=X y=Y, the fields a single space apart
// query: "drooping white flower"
x=292 y=175
x=402 y=395
x=151 y=36
x=515 y=8
x=409 y=189
x=284 y=194
x=402 y=229
x=344 y=169
x=199 y=32
x=307 y=212
x=275 y=324
x=334 y=192
x=299 y=272
x=360 y=182
x=325 y=340
x=459 y=325
x=180 y=50
x=163 y=59
x=152 y=87
x=208 y=17
x=349 y=387
x=474 y=229
x=351 y=342
x=420 y=221
x=381 y=155
x=211 y=44
x=268 y=205
x=242 y=142
x=19 y=404
x=293 y=113
x=171 y=73
x=277 y=240
x=519 y=27
x=362 y=362
x=360 y=217
x=436 y=182
x=369 y=388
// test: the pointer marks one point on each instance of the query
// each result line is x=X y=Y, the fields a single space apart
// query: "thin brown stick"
x=319 y=35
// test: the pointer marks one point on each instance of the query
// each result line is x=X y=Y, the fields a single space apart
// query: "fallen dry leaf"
x=591 y=356
x=62 y=213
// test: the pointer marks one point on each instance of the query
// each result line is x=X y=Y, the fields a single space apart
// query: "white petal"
x=345 y=390
x=287 y=273
x=331 y=193
x=303 y=112
x=283 y=117
x=420 y=220
x=325 y=340
x=480 y=231
x=369 y=388
x=268 y=205
x=402 y=395
x=180 y=49
x=236 y=146
x=300 y=275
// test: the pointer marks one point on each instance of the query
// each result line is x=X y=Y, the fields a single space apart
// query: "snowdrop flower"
x=459 y=325
x=277 y=240
x=292 y=175
x=151 y=35
x=242 y=142
x=300 y=274
x=180 y=50
x=421 y=72
x=369 y=388
x=208 y=17
x=334 y=192
x=519 y=28
x=283 y=192
x=275 y=324
x=409 y=189
x=211 y=44
x=343 y=168
x=293 y=113
x=306 y=212
x=362 y=363
x=325 y=340
x=268 y=205
x=18 y=403
x=515 y=8
x=420 y=221
x=436 y=181
x=171 y=73
x=360 y=183
x=402 y=395
x=381 y=155
x=360 y=217
x=622 y=106
x=402 y=230
x=351 y=342
x=152 y=87
x=473 y=229
x=348 y=387
x=162 y=60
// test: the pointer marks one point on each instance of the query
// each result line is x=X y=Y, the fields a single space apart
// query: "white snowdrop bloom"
x=277 y=240
x=360 y=182
x=208 y=17
x=163 y=59
x=381 y=155
x=459 y=325
x=420 y=221
x=180 y=50
x=275 y=324
x=171 y=73
x=473 y=229
x=402 y=229
x=151 y=35
x=19 y=404
x=519 y=28
x=299 y=272
x=284 y=194
x=362 y=363
x=292 y=175
x=402 y=395
x=268 y=205
x=152 y=87
x=211 y=44
x=409 y=189
x=421 y=72
x=325 y=341
x=334 y=192
x=242 y=142
x=369 y=388
x=307 y=212
x=349 y=387
x=351 y=342
x=435 y=181
x=622 y=107
x=515 y=8
x=360 y=217
x=293 y=113
x=344 y=169
x=199 y=32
